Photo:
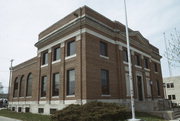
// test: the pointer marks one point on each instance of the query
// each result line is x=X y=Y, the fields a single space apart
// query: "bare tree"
x=172 y=52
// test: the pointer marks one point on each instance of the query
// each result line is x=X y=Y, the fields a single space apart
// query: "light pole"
x=10 y=78
x=130 y=68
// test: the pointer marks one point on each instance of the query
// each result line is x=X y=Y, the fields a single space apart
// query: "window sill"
x=125 y=62
x=29 y=97
x=44 y=65
x=43 y=98
x=102 y=56
x=55 y=96
x=140 y=67
x=70 y=96
x=146 y=69
x=105 y=95
x=56 y=61
x=21 y=97
x=71 y=56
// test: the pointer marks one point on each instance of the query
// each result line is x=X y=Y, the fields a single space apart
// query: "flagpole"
x=130 y=68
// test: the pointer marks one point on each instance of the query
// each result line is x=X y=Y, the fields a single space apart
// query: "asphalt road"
x=7 y=119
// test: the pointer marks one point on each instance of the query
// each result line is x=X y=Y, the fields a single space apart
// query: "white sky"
x=22 y=20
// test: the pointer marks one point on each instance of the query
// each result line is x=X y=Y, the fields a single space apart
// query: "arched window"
x=15 y=92
x=29 y=85
x=22 y=86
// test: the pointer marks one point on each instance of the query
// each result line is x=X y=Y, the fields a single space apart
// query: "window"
x=168 y=85
x=172 y=85
x=43 y=86
x=71 y=82
x=146 y=63
x=45 y=58
x=27 y=109
x=125 y=55
x=155 y=67
x=56 y=84
x=148 y=82
x=52 y=110
x=127 y=85
x=40 y=110
x=56 y=54
x=103 y=49
x=105 y=82
x=19 y=109
x=158 y=87
x=22 y=85
x=173 y=97
x=29 y=85
x=13 y=108
x=71 y=48
x=169 y=97
x=15 y=88
x=137 y=60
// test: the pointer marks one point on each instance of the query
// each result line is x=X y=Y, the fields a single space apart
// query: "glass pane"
x=56 y=54
x=105 y=82
x=56 y=83
x=71 y=49
x=71 y=82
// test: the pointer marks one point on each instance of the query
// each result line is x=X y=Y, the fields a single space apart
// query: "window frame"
x=54 y=92
x=155 y=67
x=105 y=82
x=55 y=53
x=29 y=87
x=69 y=53
x=138 y=59
x=22 y=86
x=44 y=80
x=16 y=86
x=45 y=58
x=125 y=55
x=146 y=63
x=70 y=92
x=103 y=48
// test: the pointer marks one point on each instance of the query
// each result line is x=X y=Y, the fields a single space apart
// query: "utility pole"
x=10 y=77
x=130 y=68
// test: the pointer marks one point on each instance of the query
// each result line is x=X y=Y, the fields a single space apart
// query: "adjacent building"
x=172 y=89
x=82 y=58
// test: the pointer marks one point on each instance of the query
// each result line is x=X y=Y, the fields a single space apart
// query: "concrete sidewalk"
x=2 y=118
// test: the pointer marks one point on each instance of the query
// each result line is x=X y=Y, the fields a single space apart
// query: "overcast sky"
x=22 y=20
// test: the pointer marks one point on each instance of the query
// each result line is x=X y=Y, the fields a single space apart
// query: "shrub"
x=93 y=111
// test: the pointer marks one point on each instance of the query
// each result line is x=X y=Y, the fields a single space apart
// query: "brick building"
x=82 y=58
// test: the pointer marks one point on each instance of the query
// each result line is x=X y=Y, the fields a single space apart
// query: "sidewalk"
x=2 y=118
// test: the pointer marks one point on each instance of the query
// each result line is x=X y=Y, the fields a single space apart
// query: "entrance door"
x=140 y=88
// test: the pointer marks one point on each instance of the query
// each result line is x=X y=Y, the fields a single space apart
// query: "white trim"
x=125 y=62
x=55 y=97
x=106 y=57
x=71 y=56
x=28 y=97
x=56 y=61
x=138 y=66
x=74 y=34
x=70 y=95
x=62 y=26
x=147 y=69
x=42 y=97
x=44 y=65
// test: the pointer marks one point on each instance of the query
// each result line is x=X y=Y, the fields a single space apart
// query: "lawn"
x=38 y=117
x=24 y=116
